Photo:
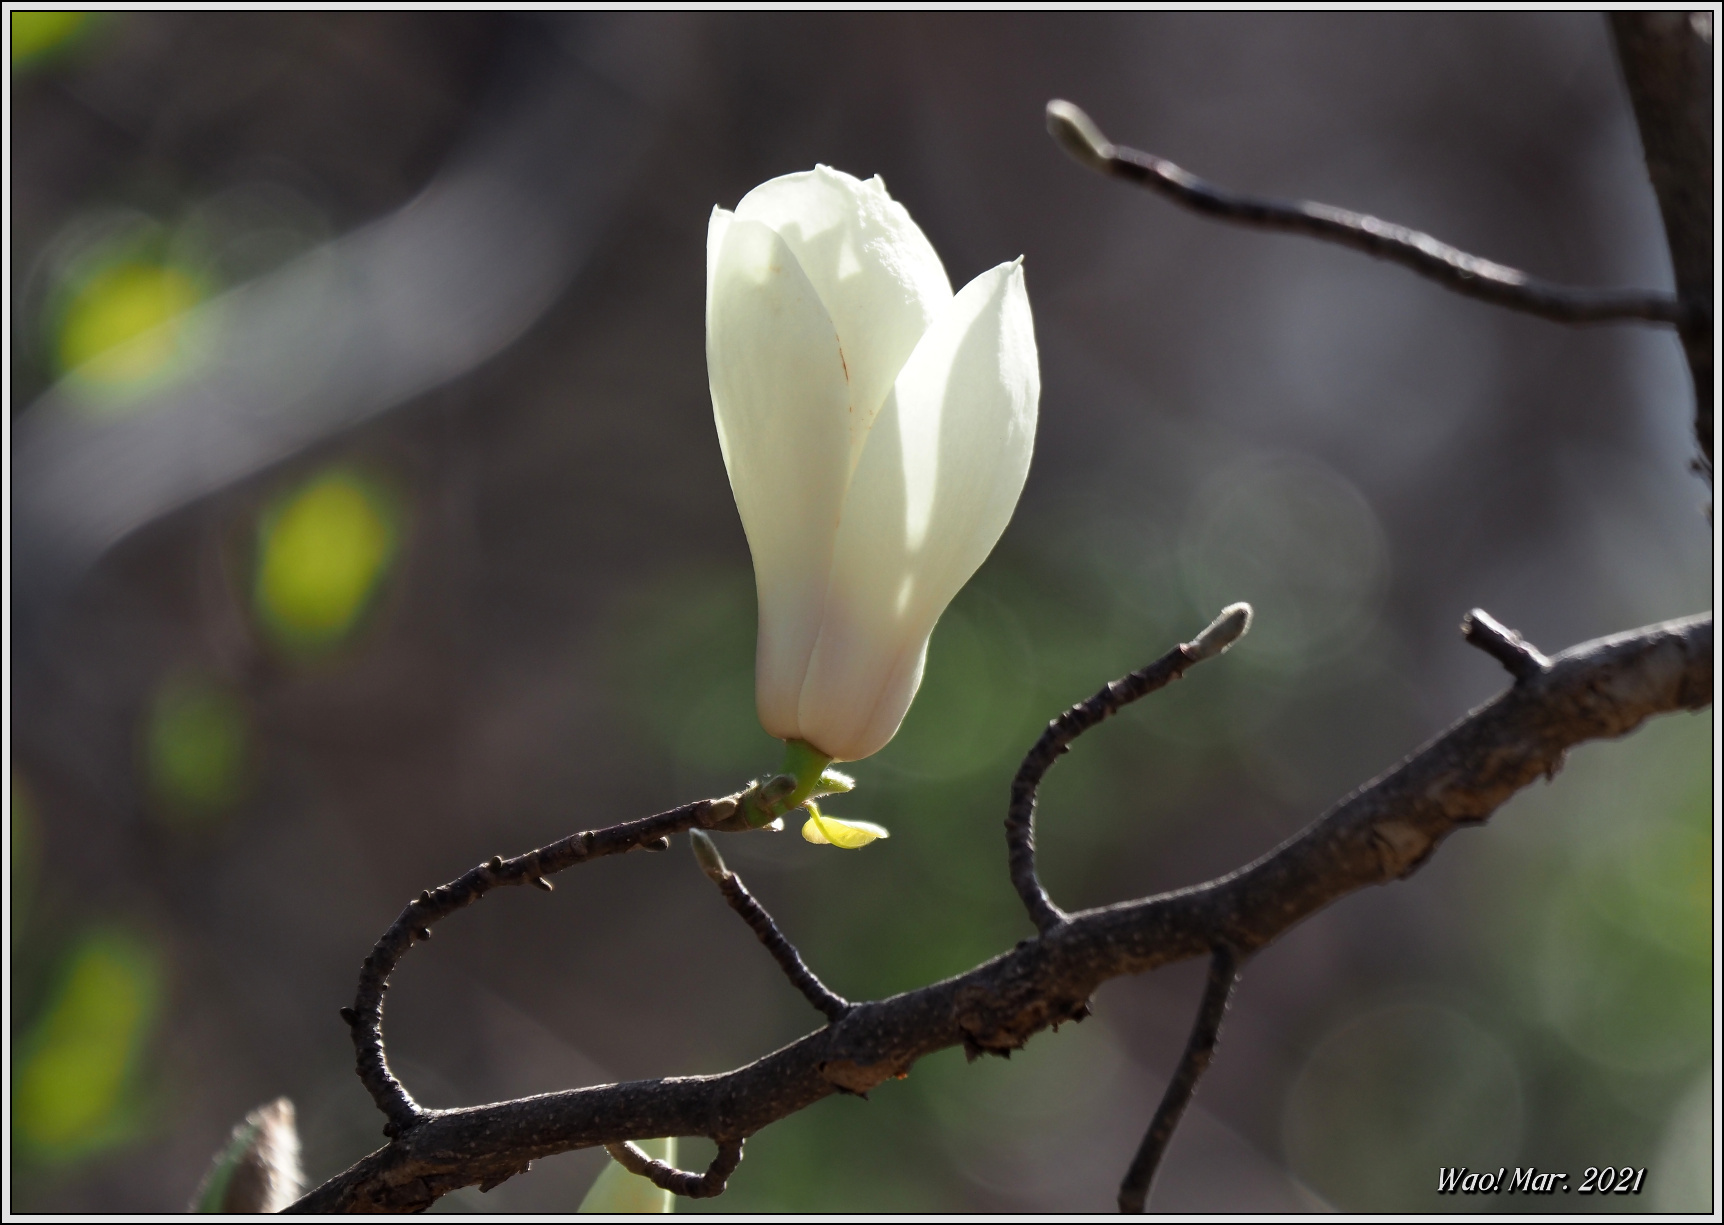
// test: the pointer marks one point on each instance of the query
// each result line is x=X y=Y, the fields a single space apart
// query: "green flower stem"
x=804 y=763
x=804 y=777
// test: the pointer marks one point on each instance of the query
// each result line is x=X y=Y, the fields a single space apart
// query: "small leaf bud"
x=707 y=856
x=1222 y=633
x=1077 y=134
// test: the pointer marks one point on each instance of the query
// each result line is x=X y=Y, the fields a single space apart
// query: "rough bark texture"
x=1382 y=832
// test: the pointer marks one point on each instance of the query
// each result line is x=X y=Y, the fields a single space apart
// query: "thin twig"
x=365 y=1018
x=1199 y=1050
x=1056 y=740
x=1381 y=832
x=1502 y=644
x=833 y=1005
x=681 y=1182
x=1448 y=266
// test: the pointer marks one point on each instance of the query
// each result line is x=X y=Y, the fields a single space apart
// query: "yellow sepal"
x=831 y=831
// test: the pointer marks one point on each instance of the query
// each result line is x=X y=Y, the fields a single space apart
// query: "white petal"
x=937 y=484
x=875 y=271
x=783 y=409
x=716 y=228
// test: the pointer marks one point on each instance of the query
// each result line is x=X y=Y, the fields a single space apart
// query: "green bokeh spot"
x=36 y=36
x=975 y=709
x=1624 y=970
x=684 y=664
x=112 y=331
x=77 y=1067
x=1394 y=1094
x=323 y=551
x=197 y=750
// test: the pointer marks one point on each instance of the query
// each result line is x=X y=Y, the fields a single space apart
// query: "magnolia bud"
x=877 y=431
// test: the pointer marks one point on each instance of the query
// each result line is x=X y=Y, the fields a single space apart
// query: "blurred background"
x=368 y=519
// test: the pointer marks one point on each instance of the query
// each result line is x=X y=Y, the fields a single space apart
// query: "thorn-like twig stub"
x=1521 y=658
x=1199 y=1050
x=540 y=882
x=350 y=1016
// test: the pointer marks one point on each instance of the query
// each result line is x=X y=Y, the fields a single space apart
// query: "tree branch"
x=729 y=884
x=1199 y=1050
x=1666 y=62
x=365 y=1018
x=1382 y=832
x=681 y=1182
x=1222 y=633
x=1448 y=266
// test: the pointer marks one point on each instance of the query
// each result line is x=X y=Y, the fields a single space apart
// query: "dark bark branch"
x=1199 y=1050
x=1382 y=832
x=1448 y=266
x=681 y=1182
x=1222 y=633
x=1666 y=61
x=729 y=884
x=365 y=1018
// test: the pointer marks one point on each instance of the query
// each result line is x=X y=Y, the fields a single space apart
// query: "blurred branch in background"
x=220 y=389
x=1666 y=60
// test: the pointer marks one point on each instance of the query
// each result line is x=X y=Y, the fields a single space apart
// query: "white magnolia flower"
x=877 y=430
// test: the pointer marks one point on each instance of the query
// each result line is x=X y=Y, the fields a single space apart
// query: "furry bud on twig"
x=1077 y=134
x=706 y=855
x=1222 y=633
